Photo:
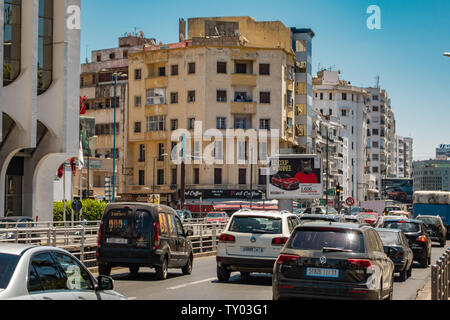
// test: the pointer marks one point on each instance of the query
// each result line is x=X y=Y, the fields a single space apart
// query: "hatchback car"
x=135 y=235
x=46 y=273
x=369 y=217
x=397 y=248
x=333 y=261
x=435 y=228
x=251 y=242
x=216 y=217
x=418 y=239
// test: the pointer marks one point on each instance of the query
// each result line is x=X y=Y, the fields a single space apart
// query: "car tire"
x=245 y=274
x=134 y=270
x=162 y=271
x=443 y=242
x=104 y=269
x=223 y=274
x=187 y=269
x=429 y=260
x=423 y=262
x=391 y=291
x=404 y=275
x=410 y=270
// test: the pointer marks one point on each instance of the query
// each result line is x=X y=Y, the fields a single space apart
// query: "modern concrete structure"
x=431 y=175
x=39 y=101
x=404 y=155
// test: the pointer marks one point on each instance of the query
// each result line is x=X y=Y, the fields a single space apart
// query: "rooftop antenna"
x=377 y=82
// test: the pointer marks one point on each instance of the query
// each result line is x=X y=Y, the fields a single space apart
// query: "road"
x=203 y=284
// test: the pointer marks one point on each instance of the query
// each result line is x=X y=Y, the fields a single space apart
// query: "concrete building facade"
x=431 y=175
x=404 y=155
x=39 y=101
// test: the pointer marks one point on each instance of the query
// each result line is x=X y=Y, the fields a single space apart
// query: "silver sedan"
x=46 y=273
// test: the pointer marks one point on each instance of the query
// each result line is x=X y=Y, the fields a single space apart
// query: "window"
x=191 y=68
x=137 y=127
x=174 y=151
x=262 y=151
x=196 y=176
x=242 y=151
x=300 y=66
x=330 y=96
x=221 y=123
x=45 y=45
x=375 y=144
x=264 y=124
x=344 y=96
x=47 y=271
x=174 y=176
x=321 y=96
x=191 y=123
x=330 y=112
x=174 y=70
x=141 y=153
x=173 y=124
x=300 y=45
x=99 y=57
x=241 y=68
x=125 y=54
x=221 y=67
x=242 y=176
x=262 y=179
x=241 y=96
x=141 y=177
x=160 y=177
x=156 y=96
x=242 y=122
x=374 y=97
x=112 y=56
x=162 y=71
x=218 y=150
x=161 y=149
x=375 y=169
x=137 y=101
x=264 y=97
x=174 y=97
x=137 y=74
x=221 y=96
x=156 y=123
x=264 y=69
x=76 y=277
x=375 y=132
x=12 y=40
x=375 y=157
x=180 y=230
x=217 y=176
x=191 y=96
x=344 y=113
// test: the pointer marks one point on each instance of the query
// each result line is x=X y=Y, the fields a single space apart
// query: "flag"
x=83 y=105
x=80 y=158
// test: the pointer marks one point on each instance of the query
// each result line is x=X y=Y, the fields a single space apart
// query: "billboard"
x=400 y=190
x=295 y=177
x=87 y=132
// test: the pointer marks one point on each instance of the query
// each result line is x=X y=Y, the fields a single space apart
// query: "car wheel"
x=187 y=269
x=423 y=262
x=223 y=274
x=443 y=242
x=429 y=260
x=391 y=291
x=404 y=275
x=410 y=270
x=134 y=269
x=161 y=271
x=245 y=274
x=104 y=269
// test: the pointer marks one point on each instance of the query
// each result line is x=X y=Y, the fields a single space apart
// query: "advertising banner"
x=397 y=189
x=295 y=177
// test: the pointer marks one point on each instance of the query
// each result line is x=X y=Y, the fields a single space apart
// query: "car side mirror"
x=189 y=233
x=105 y=283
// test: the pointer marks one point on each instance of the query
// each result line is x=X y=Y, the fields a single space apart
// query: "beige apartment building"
x=229 y=73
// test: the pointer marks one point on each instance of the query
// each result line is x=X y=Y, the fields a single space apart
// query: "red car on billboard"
x=285 y=181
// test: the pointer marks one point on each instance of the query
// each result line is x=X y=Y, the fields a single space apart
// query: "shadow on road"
x=264 y=280
x=144 y=276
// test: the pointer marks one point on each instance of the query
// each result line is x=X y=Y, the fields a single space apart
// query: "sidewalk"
x=425 y=293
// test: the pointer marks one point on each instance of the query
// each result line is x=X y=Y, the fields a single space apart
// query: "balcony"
x=243 y=79
x=156 y=110
x=156 y=136
x=243 y=107
x=156 y=82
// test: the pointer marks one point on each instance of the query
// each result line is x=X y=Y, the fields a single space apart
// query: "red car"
x=369 y=217
x=285 y=181
x=216 y=217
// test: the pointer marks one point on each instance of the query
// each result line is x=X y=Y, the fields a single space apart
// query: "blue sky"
x=406 y=53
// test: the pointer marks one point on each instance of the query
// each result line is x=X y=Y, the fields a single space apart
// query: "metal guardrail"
x=440 y=277
x=81 y=239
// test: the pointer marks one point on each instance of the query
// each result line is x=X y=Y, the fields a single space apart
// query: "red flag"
x=83 y=105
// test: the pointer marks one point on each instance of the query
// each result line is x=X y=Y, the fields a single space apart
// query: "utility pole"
x=251 y=178
x=328 y=168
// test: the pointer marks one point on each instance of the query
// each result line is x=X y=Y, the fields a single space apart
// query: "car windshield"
x=389 y=237
x=404 y=226
x=429 y=221
x=8 y=264
x=245 y=224
x=317 y=239
x=312 y=218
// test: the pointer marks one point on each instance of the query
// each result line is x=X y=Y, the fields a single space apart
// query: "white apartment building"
x=338 y=98
x=39 y=101
x=404 y=155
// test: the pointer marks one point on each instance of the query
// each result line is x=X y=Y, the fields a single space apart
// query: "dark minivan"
x=138 y=235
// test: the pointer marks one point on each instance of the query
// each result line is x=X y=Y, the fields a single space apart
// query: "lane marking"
x=191 y=283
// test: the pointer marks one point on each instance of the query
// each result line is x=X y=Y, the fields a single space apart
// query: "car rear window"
x=8 y=264
x=143 y=226
x=430 y=221
x=244 y=224
x=317 y=239
x=389 y=238
x=404 y=226
x=117 y=221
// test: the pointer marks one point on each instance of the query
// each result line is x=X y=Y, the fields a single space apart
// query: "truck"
x=379 y=205
x=433 y=203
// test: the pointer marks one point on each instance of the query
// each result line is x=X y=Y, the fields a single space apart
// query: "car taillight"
x=362 y=264
x=279 y=241
x=227 y=238
x=286 y=259
x=422 y=238
x=157 y=242
x=99 y=239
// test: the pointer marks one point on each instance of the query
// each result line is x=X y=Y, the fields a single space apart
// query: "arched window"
x=12 y=40
x=45 y=49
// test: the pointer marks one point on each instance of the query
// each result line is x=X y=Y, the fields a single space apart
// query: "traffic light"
x=338 y=190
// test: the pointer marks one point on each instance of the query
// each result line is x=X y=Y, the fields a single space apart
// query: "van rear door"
x=117 y=226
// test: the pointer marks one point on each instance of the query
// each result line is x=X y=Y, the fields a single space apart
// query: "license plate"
x=117 y=241
x=252 y=250
x=320 y=272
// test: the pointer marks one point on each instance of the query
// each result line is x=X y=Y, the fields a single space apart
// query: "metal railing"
x=81 y=239
x=440 y=277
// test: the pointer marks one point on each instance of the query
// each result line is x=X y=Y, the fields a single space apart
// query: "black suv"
x=138 y=235
x=333 y=261
x=418 y=239
x=435 y=228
